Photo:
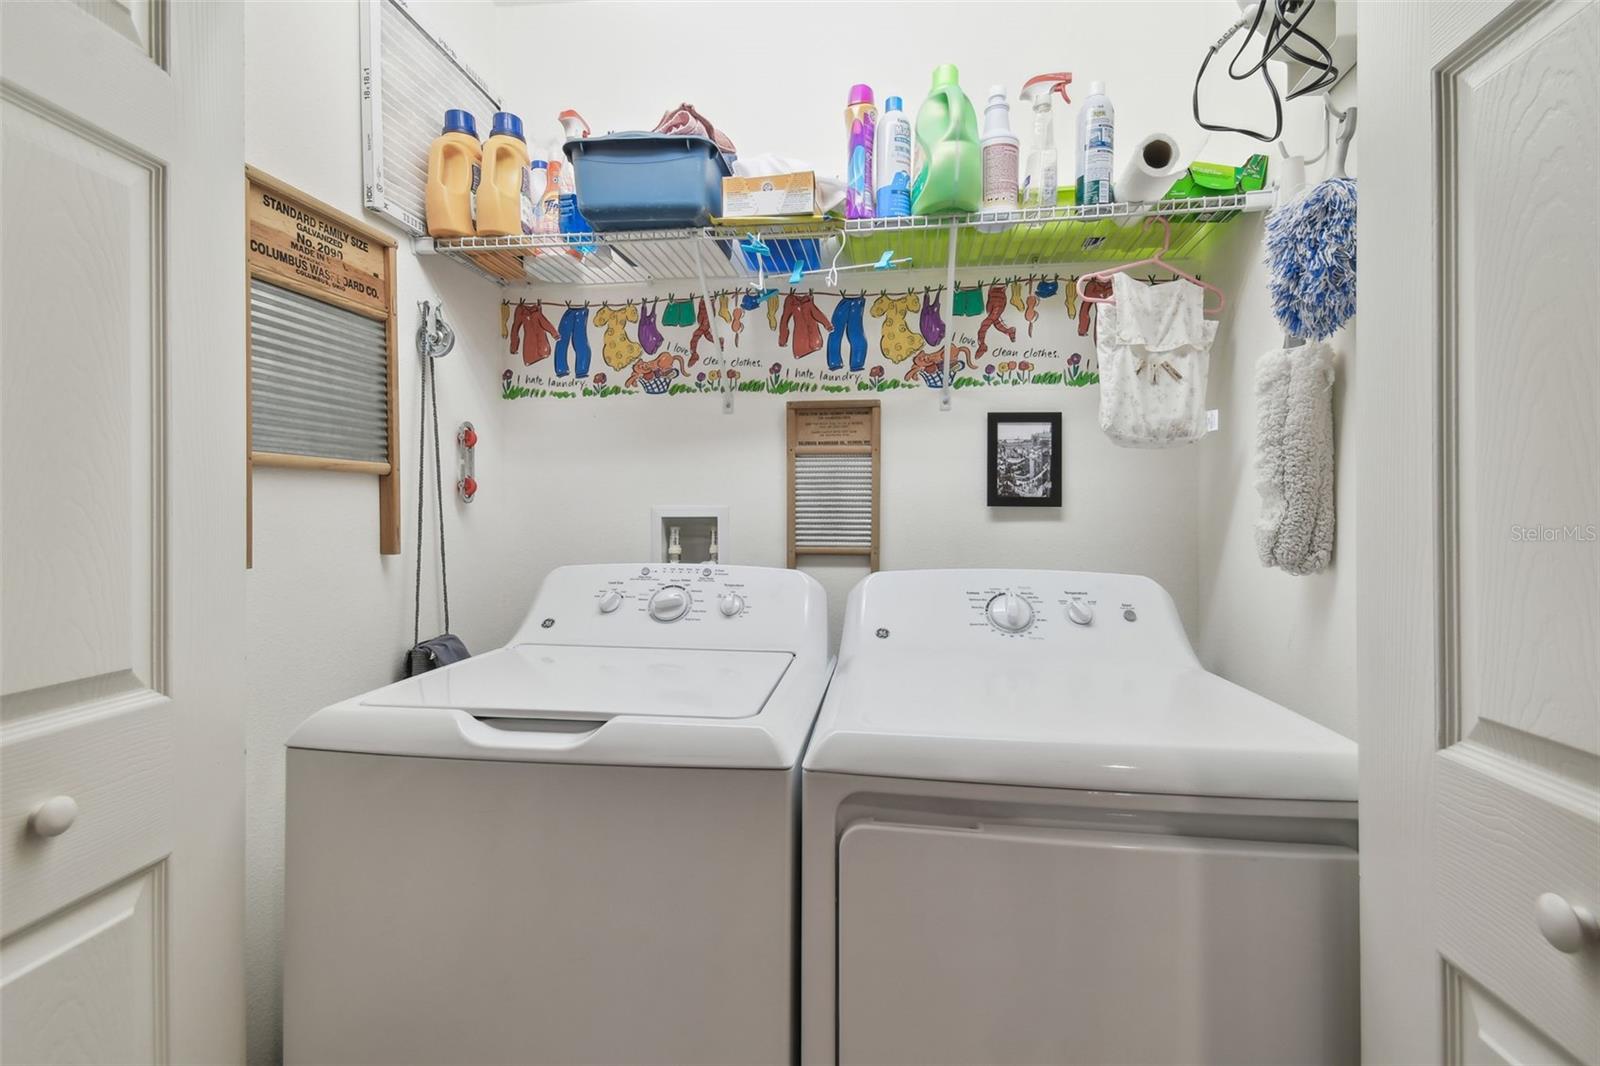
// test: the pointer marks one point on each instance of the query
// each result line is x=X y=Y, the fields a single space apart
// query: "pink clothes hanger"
x=1154 y=260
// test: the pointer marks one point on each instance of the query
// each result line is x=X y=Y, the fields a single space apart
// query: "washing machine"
x=578 y=848
x=1036 y=830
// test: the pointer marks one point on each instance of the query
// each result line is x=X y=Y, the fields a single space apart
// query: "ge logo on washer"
x=547 y=623
x=883 y=634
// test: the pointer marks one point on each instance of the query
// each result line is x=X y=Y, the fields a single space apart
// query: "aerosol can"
x=1097 y=138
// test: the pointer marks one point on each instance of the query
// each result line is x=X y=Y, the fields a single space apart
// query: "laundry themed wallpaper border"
x=1004 y=332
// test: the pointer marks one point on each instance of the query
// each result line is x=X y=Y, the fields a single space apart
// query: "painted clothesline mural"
x=1008 y=331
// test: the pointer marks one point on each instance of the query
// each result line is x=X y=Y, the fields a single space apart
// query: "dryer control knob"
x=1010 y=612
x=610 y=600
x=670 y=603
x=730 y=604
x=1079 y=612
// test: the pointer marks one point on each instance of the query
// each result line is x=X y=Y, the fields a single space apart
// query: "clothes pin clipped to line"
x=756 y=248
x=798 y=273
x=885 y=261
x=754 y=245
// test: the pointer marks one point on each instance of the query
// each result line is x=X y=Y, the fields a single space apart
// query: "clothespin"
x=754 y=245
x=885 y=261
x=798 y=273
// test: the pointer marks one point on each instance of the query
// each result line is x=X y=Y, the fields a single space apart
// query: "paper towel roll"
x=1150 y=170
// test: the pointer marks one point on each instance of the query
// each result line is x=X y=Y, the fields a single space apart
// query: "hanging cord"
x=434 y=339
x=422 y=486
x=438 y=493
x=1279 y=33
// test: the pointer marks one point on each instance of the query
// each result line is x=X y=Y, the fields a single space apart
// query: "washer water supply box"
x=631 y=181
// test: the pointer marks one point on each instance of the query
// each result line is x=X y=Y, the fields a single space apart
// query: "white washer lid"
x=1152 y=727
x=595 y=684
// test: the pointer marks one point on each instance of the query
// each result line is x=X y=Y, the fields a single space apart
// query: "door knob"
x=54 y=816
x=1568 y=928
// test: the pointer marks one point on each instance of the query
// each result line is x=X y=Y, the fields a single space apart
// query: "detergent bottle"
x=891 y=161
x=455 y=162
x=1041 y=173
x=505 y=178
x=861 y=123
x=549 y=215
x=533 y=203
x=949 y=175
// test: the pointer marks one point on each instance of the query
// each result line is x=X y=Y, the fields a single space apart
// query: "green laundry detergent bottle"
x=950 y=169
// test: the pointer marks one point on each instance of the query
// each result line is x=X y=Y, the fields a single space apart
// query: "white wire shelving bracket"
x=711 y=256
x=1038 y=237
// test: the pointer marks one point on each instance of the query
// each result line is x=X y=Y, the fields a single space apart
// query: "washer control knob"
x=730 y=604
x=670 y=603
x=1010 y=612
x=1079 y=612
x=610 y=600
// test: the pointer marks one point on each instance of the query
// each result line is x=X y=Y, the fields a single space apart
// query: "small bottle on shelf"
x=999 y=160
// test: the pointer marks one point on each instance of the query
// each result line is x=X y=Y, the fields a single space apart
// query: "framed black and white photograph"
x=1025 y=459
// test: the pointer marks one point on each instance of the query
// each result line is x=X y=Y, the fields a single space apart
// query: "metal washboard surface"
x=832 y=501
x=409 y=78
x=319 y=378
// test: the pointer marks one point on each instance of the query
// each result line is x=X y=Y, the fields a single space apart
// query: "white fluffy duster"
x=1294 y=458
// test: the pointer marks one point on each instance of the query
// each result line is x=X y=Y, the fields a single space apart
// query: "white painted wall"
x=574 y=481
x=1289 y=638
x=328 y=616
x=1123 y=510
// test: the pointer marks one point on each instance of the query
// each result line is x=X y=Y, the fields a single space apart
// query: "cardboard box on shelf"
x=770 y=196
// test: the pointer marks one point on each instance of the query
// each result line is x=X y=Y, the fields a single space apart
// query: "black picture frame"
x=1018 y=475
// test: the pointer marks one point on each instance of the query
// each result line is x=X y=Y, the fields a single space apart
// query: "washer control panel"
x=677 y=593
x=702 y=605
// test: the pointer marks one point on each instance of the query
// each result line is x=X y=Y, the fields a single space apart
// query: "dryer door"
x=1021 y=945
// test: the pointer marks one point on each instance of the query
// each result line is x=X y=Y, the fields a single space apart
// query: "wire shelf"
x=1039 y=237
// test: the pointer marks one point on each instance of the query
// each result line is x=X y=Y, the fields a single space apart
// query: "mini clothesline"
x=919 y=290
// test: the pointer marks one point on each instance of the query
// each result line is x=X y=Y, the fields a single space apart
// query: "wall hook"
x=466 y=462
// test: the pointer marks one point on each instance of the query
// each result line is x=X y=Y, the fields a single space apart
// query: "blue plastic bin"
x=647 y=180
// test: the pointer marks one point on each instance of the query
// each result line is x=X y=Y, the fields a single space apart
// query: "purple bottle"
x=861 y=119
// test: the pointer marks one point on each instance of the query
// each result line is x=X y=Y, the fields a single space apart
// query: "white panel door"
x=1479 y=635
x=121 y=504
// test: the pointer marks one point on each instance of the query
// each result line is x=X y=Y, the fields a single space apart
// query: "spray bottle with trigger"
x=565 y=181
x=1040 y=173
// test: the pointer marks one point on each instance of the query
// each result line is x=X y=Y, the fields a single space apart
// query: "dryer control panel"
x=673 y=605
x=998 y=609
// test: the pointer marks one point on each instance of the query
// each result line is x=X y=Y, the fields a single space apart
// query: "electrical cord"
x=1279 y=34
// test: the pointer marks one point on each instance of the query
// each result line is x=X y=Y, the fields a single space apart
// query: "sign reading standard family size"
x=291 y=240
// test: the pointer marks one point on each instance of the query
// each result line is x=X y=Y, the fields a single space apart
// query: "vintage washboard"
x=833 y=479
